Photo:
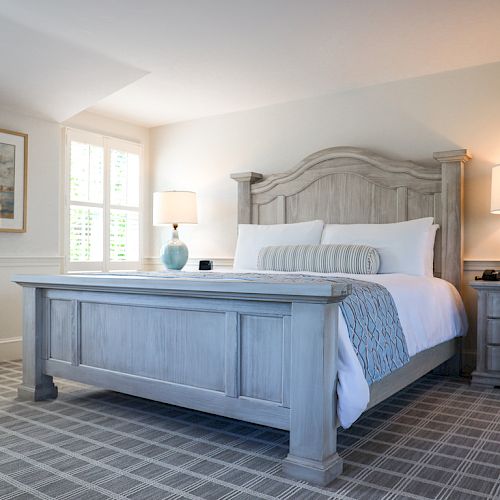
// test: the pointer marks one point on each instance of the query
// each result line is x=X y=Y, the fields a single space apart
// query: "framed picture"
x=13 y=179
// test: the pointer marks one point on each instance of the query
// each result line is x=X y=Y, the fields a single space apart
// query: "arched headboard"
x=349 y=185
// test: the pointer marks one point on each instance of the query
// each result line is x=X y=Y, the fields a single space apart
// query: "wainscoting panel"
x=11 y=298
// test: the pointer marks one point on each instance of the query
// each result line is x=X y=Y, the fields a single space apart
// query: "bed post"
x=313 y=410
x=36 y=385
x=245 y=181
x=452 y=221
x=452 y=208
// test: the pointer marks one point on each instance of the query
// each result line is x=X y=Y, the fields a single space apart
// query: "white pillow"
x=402 y=246
x=253 y=237
x=429 y=250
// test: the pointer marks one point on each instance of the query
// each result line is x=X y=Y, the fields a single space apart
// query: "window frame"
x=107 y=143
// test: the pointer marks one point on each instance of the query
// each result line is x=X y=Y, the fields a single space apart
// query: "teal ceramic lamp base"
x=174 y=254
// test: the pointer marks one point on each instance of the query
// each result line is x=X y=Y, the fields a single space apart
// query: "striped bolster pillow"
x=353 y=259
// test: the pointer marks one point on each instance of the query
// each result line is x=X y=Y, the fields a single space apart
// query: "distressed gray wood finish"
x=349 y=185
x=418 y=366
x=487 y=370
x=452 y=213
x=157 y=343
x=245 y=180
x=313 y=444
x=223 y=347
x=60 y=316
x=37 y=384
x=261 y=354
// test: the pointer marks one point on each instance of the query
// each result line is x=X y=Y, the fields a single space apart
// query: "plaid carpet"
x=438 y=438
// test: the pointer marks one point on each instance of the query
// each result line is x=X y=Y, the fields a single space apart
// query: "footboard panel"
x=181 y=346
x=188 y=352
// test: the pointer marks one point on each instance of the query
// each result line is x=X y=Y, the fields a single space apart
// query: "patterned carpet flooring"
x=438 y=438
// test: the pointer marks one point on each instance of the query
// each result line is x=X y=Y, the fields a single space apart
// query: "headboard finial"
x=452 y=156
x=452 y=213
x=247 y=177
x=245 y=181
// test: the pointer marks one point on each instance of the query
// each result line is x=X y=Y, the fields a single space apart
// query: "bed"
x=266 y=350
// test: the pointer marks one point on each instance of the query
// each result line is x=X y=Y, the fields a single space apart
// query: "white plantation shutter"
x=103 y=203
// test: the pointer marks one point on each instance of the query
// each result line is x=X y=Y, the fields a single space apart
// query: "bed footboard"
x=313 y=438
x=265 y=358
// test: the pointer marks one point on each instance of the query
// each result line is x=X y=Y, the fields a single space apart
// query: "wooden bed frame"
x=262 y=352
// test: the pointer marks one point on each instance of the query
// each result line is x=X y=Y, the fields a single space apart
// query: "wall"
x=39 y=250
x=408 y=119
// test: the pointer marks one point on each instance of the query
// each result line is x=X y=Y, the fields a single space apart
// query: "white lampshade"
x=495 y=189
x=174 y=207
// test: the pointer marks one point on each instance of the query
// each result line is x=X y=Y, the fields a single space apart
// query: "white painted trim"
x=10 y=348
x=154 y=263
x=107 y=143
x=481 y=265
x=32 y=261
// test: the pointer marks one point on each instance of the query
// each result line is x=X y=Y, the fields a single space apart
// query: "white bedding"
x=430 y=310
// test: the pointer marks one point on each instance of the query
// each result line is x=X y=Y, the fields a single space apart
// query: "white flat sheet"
x=430 y=310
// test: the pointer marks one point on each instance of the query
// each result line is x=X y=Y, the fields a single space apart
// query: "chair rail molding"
x=480 y=265
x=31 y=261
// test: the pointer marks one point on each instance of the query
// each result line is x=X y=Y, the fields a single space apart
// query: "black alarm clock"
x=206 y=265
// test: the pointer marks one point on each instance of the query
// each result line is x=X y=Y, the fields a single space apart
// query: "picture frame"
x=13 y=181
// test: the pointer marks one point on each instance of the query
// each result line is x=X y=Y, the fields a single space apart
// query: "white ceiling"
x=158 y=61
x=53 y=79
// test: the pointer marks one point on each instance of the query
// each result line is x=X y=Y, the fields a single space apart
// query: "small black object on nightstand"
x=489 y=275
x=206 y=265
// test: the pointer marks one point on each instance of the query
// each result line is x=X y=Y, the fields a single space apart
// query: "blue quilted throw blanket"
x=374 y=329
x=369 y=311
x=372 y=324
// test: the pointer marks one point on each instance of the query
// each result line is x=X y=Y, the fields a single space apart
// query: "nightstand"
x=487 y=370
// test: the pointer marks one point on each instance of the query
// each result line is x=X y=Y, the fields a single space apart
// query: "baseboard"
x=11 y=348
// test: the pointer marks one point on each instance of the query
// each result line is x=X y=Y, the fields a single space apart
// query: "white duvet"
x=430 y=311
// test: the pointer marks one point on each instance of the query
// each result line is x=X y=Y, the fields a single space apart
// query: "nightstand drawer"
x=493 y=357
x=493 y=305
x=493 y=333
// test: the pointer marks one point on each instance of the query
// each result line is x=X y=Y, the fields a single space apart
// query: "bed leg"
x=36 y=385
x=313 y=436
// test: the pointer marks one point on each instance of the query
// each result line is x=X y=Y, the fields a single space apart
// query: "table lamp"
x=495 y=190
x=174 y=207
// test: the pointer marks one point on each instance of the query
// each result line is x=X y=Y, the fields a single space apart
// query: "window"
x=103 y=203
